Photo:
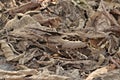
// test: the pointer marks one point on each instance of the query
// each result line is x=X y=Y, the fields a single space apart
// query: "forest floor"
x=59 y=40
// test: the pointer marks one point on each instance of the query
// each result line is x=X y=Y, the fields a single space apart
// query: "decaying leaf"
x=7 y=51
x=98 y=72
x=59 y=39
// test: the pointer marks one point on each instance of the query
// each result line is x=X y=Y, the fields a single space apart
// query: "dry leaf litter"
x=59 y=39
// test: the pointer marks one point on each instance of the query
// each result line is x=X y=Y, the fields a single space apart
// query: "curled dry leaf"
x=52 y=22
x=72 y=44
x=110 y=75
x=22 y=8
x=19 y=21
x=97 y=73
x=17 y=75
x=8 y=52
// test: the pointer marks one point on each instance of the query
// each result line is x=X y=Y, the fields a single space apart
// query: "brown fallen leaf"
x=22 y=9
x=52 y=22
x=8 y=52
x=97 y=73
x=17 y=75
x=100 y=71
